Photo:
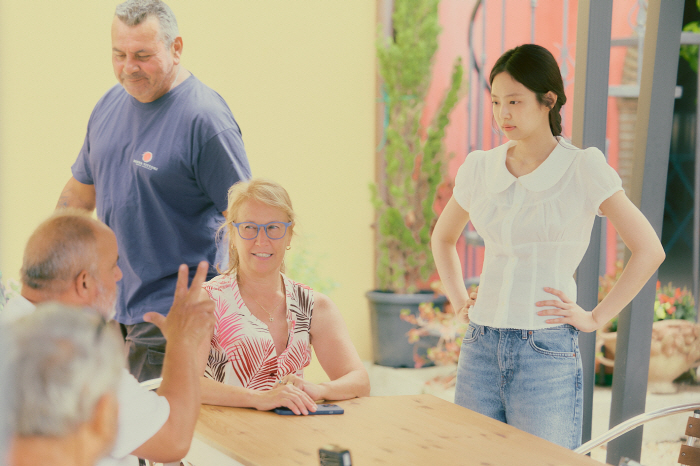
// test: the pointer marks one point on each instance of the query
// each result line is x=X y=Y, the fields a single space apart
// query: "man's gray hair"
x=134 y=12
x=67 y=358
x=59 y=249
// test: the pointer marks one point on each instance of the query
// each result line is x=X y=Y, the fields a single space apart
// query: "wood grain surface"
x=392 y=430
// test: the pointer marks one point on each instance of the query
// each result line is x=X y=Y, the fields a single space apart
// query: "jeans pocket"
x=555 y=342
x=471 y=334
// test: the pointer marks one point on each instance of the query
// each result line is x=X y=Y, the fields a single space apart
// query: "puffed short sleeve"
x=601 y=180
x=464 y=182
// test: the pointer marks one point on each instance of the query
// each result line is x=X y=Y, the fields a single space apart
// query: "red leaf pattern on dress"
x=243 y=352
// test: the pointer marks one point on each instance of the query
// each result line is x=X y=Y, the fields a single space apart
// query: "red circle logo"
x=147 y=157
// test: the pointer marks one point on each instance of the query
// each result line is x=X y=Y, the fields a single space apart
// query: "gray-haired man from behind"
x=72 y=258
x=68 y=366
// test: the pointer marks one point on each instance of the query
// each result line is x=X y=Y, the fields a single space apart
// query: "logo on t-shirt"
x=146 y=157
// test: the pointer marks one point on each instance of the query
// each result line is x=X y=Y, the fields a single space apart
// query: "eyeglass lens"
x=273 y=230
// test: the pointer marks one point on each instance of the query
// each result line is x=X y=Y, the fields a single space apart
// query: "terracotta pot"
x=675 y=348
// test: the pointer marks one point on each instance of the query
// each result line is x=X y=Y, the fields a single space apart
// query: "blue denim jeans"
x=530 y=379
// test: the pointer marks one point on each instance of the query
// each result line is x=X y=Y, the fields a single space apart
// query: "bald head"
x=72 y=258
x=59 y=249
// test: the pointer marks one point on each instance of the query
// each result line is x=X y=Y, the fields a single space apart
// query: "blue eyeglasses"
x=273 y=230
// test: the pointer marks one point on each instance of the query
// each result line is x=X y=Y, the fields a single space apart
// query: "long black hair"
x=534 y=67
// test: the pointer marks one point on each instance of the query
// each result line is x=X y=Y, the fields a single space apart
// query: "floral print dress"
x=242 y=351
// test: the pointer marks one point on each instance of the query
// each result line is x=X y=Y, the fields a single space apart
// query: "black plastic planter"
x=390 y=345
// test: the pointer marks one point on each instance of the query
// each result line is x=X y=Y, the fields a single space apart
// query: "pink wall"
x=549 y=30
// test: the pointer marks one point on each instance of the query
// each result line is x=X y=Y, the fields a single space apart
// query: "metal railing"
x=633 y=423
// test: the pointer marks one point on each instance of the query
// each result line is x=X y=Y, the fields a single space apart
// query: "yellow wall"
x=298 y=76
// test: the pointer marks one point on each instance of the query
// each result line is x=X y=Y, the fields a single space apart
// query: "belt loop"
x=524 y=334
x=482 y=330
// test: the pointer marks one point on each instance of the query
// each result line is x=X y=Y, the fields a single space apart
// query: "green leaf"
x=413 y=157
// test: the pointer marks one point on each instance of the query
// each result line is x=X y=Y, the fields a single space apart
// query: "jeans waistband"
x=524 y=332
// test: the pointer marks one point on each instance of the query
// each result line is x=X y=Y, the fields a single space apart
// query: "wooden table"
x=390 y=430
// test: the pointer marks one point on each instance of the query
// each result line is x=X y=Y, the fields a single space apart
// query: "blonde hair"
x=257 y=189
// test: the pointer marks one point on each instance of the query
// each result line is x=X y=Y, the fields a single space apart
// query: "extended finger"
x=560 y=294
x=300 y=405
x=554 y=312
x=308 y=402
x=551 y=302
x=199 y=277
x=181 y=285
x=292 y=406
x=556 y=321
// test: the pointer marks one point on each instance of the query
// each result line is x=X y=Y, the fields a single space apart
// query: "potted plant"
x=413 y=167
x=675 y=337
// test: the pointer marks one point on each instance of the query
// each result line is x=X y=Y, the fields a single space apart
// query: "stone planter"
x=675 y=348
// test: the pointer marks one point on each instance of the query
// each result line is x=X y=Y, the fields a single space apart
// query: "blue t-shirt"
x=161 y=172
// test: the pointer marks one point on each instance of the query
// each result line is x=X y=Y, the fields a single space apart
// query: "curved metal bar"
x=632 y=423
x=152 y=384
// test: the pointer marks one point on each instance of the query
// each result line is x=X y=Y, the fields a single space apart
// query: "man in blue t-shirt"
x=161 y=151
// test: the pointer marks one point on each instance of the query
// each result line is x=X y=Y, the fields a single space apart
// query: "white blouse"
x=536 y=228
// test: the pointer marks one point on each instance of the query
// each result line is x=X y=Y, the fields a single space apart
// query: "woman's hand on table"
x=311 y=389
x=567 y=312
x=286 y=395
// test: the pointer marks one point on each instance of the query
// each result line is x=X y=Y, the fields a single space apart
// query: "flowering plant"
x=670 y=303
x=673 y=303
x=431 y=321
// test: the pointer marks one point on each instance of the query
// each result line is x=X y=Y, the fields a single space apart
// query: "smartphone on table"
x=326 y=408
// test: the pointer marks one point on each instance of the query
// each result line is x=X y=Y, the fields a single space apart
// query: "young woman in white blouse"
x=534 y=200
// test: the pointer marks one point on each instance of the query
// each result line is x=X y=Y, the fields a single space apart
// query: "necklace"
x=273 y=309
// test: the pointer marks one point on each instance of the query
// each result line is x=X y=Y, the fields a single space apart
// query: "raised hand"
x=567 y=312
x=191 y=318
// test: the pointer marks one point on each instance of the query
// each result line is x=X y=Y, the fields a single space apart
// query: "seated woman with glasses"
x=267 y=322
